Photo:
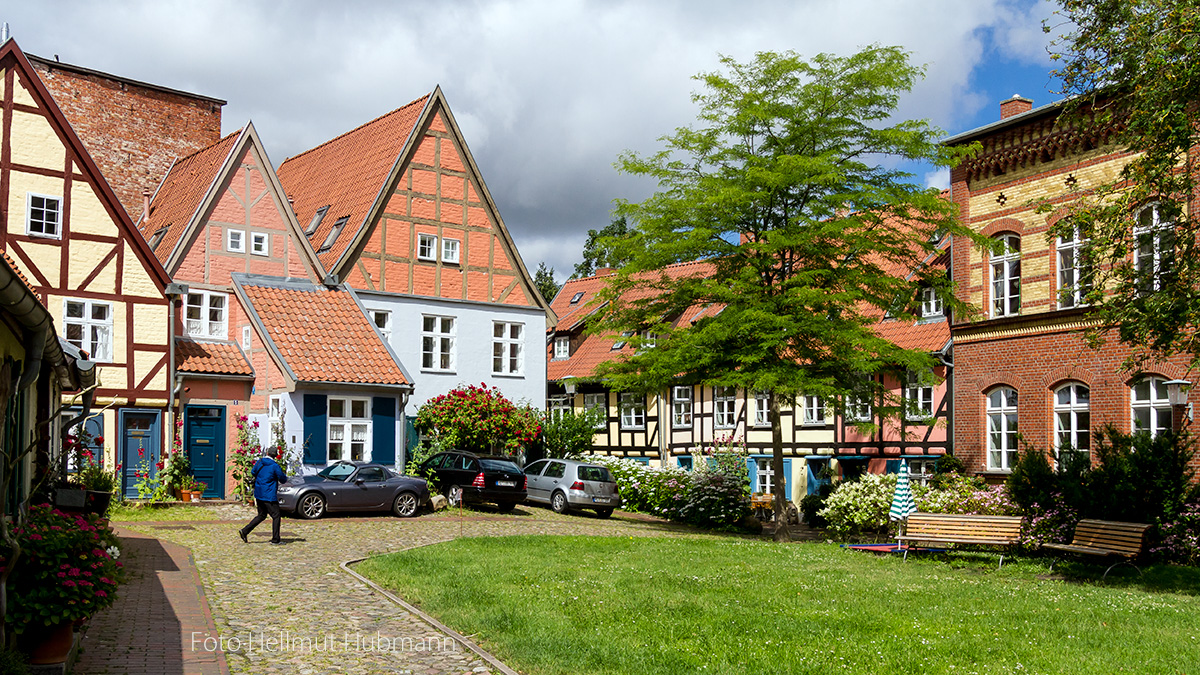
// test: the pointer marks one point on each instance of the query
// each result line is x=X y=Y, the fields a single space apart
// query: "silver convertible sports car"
x=353 y=486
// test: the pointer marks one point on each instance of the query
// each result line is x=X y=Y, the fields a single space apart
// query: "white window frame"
x=450 y=250
x=681 y=407
x=1072 y=418
x=918 y=395
x=1002 y=428
x=764 y=476
x=1159 y=236
x=598 y=401
x=762 y=409
x=620 y=344
x=1005 y=272
x=96 y=334
x=562 y=347
x=246 y=337
x=814 y=411
x=1155 y=404
x=386 y=329
x=1073 y=285
x=235 y=240
x=205 y=326
x=57 y=233
x=438 y=345
x=345 y=424
x=920 y=471
x=508 y=351
x=859 y=409
x=633 y=411
x=557 y=405
x=260 y=243
x=931 y=303
x=427 y=247
x=724 y=407
x=274 y=413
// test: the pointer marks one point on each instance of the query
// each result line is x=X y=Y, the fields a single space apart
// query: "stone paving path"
x=291 y=609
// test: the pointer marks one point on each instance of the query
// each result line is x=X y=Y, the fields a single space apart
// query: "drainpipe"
x=174 y=292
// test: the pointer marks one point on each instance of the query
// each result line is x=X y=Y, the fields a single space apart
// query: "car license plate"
x=506 y=483
x=600 y=500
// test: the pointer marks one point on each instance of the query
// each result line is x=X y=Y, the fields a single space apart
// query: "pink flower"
x=102 y=594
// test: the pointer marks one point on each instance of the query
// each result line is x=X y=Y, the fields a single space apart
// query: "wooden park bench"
x=1105 y=539
x=949 y=528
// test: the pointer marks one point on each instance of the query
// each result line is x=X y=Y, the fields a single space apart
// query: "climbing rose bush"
x=479 y=419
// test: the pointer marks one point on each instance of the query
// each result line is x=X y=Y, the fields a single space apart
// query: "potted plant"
x=67 y=571
x=99 y=484
x=176 y=468
x=198 y=490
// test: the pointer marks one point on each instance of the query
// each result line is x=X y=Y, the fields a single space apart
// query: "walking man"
x=267 y=475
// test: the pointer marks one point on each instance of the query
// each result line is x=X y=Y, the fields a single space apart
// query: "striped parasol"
x=902 y=499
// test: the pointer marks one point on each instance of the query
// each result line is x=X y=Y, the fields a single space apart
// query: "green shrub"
x=1181 y=536
x=860 y=505
x=1139 y=479
x=569 y=434
x=713 y=496
x=717 y=500
x=949 y=464
x=12 y=662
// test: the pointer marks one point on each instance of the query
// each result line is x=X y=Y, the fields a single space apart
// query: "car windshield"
x=498 y=465
x=596 y=473
x=337 y=471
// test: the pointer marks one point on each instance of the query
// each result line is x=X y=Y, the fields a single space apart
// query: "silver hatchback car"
x=567 y=484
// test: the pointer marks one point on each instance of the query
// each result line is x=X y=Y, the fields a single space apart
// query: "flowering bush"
x=1051 y=524
x=715 y=495
x=479 y=419
x=176 y=467
x=246 y=450
x=67 y=569
x=860 y=505
x=659 y=491
x=967 y=495
x=717 y=500
x=1181 y=537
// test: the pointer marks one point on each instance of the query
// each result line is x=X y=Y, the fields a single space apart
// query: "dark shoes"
x=243 y=536
x=277 y=543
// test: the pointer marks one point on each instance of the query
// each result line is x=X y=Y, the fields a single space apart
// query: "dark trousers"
x=265 y=509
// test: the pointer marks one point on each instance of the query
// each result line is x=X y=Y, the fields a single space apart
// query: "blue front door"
x=206 y=447
x=141 y=449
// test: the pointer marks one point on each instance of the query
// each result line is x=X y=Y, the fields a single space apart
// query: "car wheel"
x=604 y=513
x=406 y=505
x=558 y=502
x=311 y=506
x=455 y=494
x=505 y=507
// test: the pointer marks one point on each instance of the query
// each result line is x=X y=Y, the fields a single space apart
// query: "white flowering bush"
x=860 y=505
x=659 y=491
x=716 y=495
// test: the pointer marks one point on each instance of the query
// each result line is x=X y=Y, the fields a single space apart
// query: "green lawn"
x=622 y=605
x=123 y=513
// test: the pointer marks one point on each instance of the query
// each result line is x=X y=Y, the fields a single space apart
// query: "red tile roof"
x=346 y=174
x=17 y=271
x=177 y=198
x=214 y=358
x=320 y=333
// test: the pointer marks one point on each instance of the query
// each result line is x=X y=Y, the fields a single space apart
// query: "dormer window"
x=333 y=234
x=620 y=344
x=562 y=347
x=577 y=297
x=316 y=221
x=931 y=303
x=157 y=237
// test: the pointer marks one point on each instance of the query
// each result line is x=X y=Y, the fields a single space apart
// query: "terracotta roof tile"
x=180 y=193
x=217 y=358
x=346 y=174
x=17 y=270
x=321 y=333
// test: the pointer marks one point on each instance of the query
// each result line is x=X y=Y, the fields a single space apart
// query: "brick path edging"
x=438 y=625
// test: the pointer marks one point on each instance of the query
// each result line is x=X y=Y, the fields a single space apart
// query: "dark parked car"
x=470 y=478
x=353 y=486
x=567 y=485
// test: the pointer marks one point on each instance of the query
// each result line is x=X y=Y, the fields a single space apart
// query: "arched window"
x=1002 y=428
x=1155 y=247
x=1151 y=409
x=1074 y=273
x=1072 y=417
x=1006 y=276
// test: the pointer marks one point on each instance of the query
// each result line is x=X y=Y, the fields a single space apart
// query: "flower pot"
x=52 y=644
x=70 y=499
x=97 y=502
x=194 y=496
x=178 y=494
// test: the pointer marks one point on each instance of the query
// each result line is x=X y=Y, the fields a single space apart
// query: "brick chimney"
x=603 y=271
x=1015 y=106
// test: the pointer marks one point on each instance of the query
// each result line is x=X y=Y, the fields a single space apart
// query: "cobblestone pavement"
x=291 y=609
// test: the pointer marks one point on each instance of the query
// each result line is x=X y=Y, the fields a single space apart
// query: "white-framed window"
x=437 y=343
x=206 y=315
x=508 y=348
x=562 y=347
x=43 y=216
x=762 y=409
x=764 y=476
x=1072 y=418
x=724 y=407
x=349 y=429
x=1002 y=428
x=633 y=411
x=235 y=240
x=275 y=407
x=681 y=407
x=559 y=405
x=1155 y=247
x=1006 y=276
x=450 y=250
x=1074 y=276
x=597 y=402
x=382 y=319
x=649 y=340
x=246 y=337
x=814 y=410
x=931 y=303
x=919 y=395
x=260 y=243
x=1150 y=406
x=88 y=325
x=859 y=409
x=620 y=344
x=921 y=470
x=427 y=247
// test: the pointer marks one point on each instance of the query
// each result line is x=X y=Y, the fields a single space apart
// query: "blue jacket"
x=267 y=476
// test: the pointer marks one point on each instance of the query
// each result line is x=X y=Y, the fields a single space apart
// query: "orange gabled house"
x=398 y=210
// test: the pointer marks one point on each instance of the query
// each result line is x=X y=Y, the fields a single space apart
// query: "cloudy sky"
x=547 y=92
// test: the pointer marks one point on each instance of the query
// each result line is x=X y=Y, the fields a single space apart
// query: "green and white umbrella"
x=902 y=499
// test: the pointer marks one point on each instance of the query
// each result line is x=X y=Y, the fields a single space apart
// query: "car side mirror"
x=358 y=481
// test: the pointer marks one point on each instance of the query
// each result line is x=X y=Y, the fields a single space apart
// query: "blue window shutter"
x=893 y=466
x=316 y=449
x=752 y=473
x=787 y=472
x=383 y=430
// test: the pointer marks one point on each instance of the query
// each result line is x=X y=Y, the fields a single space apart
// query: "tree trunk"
x=782 y=532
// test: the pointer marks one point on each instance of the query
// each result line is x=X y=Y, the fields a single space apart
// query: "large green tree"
x=544 y=280
x=1131 y=65
x=784 y=190
x=604 y=248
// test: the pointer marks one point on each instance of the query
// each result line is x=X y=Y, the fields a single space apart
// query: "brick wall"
x=132 y=130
